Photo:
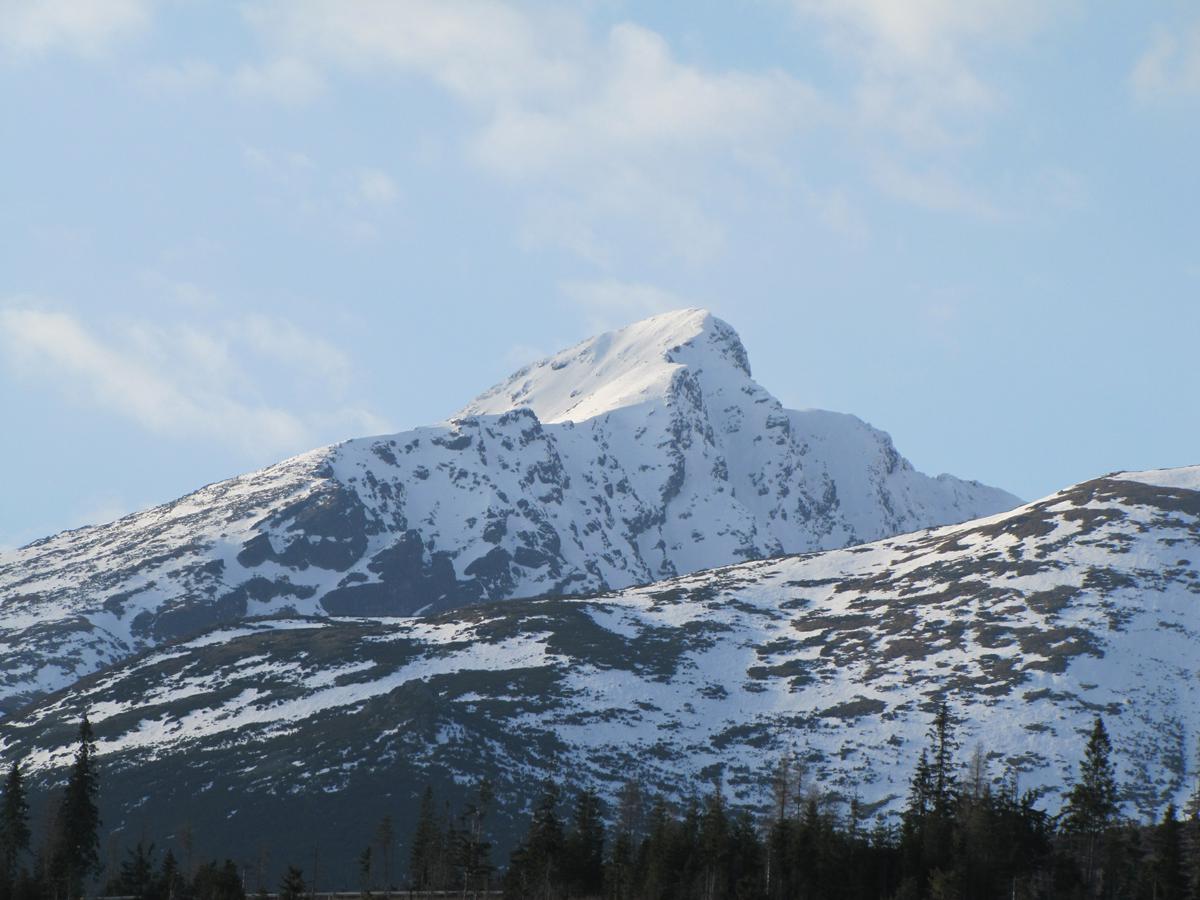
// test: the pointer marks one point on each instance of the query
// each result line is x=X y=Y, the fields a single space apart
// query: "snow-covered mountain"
x=1029 y=623
x=637 y=455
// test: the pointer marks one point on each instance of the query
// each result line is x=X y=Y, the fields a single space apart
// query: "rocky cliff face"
x=637 y=455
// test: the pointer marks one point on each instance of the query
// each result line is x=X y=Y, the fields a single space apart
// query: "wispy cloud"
x=839 y=214
x=607 y=134
x=1170 y=66
x=183 y=77
x=284 y=343
x=483 y=51
x=374 y=187
x=636 y=100
x=917 y=68
x=935 y=190
x=286 y=80
x=30 y=28
x=283 y=166
x=606 y=130
x=355 y=203
x=185 y=381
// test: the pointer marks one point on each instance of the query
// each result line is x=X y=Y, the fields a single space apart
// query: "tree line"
x=959 y=835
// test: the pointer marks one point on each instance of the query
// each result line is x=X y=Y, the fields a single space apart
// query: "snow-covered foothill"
x=1028 y=623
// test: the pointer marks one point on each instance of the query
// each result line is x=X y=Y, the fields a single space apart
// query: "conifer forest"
x=963 y=833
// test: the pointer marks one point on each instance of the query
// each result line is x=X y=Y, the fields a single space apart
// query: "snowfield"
x=637 y=455
x=1029 y=623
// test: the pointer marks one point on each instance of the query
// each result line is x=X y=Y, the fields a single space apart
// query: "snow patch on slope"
x=1185 y=477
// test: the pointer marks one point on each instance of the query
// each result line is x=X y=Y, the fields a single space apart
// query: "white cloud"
x=351 y=203
x=182 y=77
x=482 y=50
x=283 y=342
x=547 y=92
x=1062 y=188
x=86 y=27
x=610 y=304
x=375 y=188
x=287 y=80
x=935 y=190
x=652 y=204
x=918 y=76
x=838 y=213
x=931 y=32
x=184 y=294
x=285 y=167
x=553 y=222
x=187 y=382
x=599 y=131
x=58 y=348
x=1170 y=66
x=637 y=101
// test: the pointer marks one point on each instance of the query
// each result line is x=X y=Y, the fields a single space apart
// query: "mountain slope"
x=1029 y=623
x=634 y=456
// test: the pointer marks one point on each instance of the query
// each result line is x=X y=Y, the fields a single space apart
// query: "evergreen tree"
x=292 y=886
x=171 y=877
x=941 y=764
x=583 y=851
x=713 y=844
x=1091 y=805
x=384 y=838
x=137 y=876
x=14 y=828
x=655 y=863
x=778 y=871
x=536 y=869
x=913 y=826
x=426 y=839
x=220 y=882
x=364 y=873
x=631 y=810
x=1170 y=876
x=619 y=874
x=920 y=793
x=473 y=851
x=745 y=859
x=928 y=824
x=75 y=844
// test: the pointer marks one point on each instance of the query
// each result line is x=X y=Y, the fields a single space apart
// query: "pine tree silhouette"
x=75 y=843
x=14 y=828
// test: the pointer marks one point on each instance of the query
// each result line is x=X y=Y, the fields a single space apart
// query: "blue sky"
x=231 y=232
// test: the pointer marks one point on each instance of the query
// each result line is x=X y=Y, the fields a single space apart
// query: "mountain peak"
x=638 y=454
x=620 y=368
